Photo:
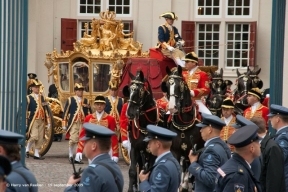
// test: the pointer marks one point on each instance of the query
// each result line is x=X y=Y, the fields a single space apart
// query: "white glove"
x=182 y=42
x=170 y=48
x=78 y=157
x=48 y=126
x=192 y=93
x=115 y=159
x=64 y=128
x=125 y=144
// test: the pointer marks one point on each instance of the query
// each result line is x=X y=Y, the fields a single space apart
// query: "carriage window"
x=208 y=43
x=238 y=8
x=238 y=45
x=121 y=7
x=81 y=75
x=64 y=76
x=89 y=6
x=101 y=77
x=208 y=7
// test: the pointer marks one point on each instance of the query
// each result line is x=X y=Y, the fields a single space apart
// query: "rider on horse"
x=197 y=80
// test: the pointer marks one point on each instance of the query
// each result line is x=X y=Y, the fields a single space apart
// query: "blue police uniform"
x=236 y=174
x=215 y=154
x=281 y=136
x=256 y=164
x=103 y=174
x=20 y=175
x=166 y=172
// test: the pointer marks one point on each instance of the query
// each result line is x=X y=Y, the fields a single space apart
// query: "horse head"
x=214 y=104
x=139 y=93
x=256 y=81
x=218 y=86
x=177 y=90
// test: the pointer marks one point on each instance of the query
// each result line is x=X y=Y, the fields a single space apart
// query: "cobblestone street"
x=52 y=173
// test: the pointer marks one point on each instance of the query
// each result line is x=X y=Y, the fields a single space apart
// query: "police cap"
x=155 y=132
x=277 y=110
x=241 y=121
x=5 y=167
x=244 y=136
x=94 y=131
x=8 y=137
x=211 y=120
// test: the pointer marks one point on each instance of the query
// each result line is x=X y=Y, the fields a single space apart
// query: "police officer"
x=278 y=117
x=19 y=175
x=5 y=169
x=256 y=163
x=272 y=162
x=236 y=174
x=216 y=153
x=103 y=174
x=165 y=174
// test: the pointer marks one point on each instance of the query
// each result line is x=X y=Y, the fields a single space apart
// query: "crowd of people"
x=238 y=155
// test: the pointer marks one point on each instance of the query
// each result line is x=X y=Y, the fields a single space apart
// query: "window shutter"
x=252 y=51
x=68 y=33
x=188 y=35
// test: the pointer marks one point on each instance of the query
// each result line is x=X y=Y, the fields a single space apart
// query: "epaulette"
x=93 y=165
x=211 y=145
x=164 y=27
x=221 y=172
x=284 y=133
x=163 y=161
x=240 y=169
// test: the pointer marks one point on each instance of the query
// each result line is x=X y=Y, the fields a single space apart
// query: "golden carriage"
x=96 y=59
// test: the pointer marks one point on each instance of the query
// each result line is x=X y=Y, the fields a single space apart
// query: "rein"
x=135 y=125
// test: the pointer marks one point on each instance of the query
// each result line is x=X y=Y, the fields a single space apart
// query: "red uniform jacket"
x=106 y=121
x=261 y=111
x=198 y=82
x=124 y=122
x=162 y=103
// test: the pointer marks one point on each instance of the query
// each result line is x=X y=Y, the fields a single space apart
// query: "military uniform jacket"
x=167 y=36
x=282 y=139
x=163 y=103
x=261 y=111
x=164 y=177
x=17 y=182
x=106 y=121
x=36 y=108
x=227 y=131
x=97 y=178
x=272 y=173
x=236 y=175
x=198 y=82
x=124 y=122
x=205 y=170
x=74 y=110
x=114 y=108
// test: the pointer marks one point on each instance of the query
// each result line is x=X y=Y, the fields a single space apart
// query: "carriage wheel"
x=48 y=136
x=125 y=154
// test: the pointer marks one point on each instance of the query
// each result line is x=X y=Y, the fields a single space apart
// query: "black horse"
x=183 y=118
x=141 y=110
x=217 y=94
x=245 y=82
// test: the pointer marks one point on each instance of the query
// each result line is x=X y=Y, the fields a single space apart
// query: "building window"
x=208 y=43
x=122 y=7
x=208 y=7
x=238 y=7
x=128 y=27
x=82 y=25
x=238 y=45
x=90 y=6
